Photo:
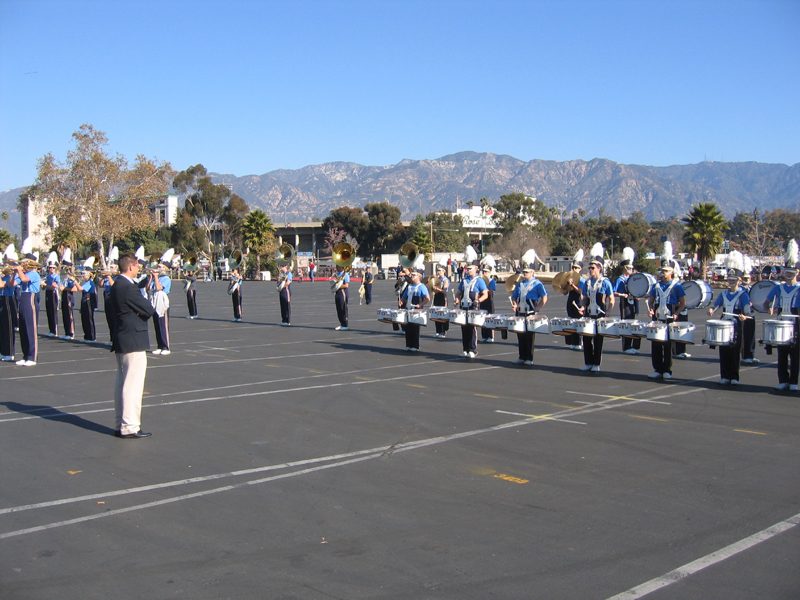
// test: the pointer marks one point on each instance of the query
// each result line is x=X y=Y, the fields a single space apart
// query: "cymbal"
x=432 y=281
x=511 y=282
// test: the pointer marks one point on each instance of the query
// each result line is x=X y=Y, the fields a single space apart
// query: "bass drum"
x=759 y=293
x=639 y=284
x=698 y=294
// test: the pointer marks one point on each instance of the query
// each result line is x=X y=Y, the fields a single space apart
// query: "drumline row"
x=777 y=332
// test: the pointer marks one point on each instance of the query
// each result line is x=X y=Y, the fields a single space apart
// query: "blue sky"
x=245 y=87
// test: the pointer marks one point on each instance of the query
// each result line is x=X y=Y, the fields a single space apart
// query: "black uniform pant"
x=680 y=347
x=341 y=307
x=28 y=325
x=592 y=349
x=788 y=364
x=627 y=311
x=87 y=317
x=368 y=293
x=51 y=308
x=191 y=302
x=749 y=338
x=67 y=317
x=525 y=342
x=7 y=335
x=488 y=306
x=729 y=356
x=662 y=357
x=236 y=298
x=109 y=314
x=469 y=338
x=412 y=335
x=161 y=325
x=286 y=307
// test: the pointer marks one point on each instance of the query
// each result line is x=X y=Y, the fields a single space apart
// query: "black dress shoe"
x=134 y=436
x=117 y=433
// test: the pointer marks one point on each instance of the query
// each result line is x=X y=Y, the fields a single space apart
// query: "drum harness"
x=729 y=306
x=412 y=293
x=594 y=290
x=467 y=299
x=523 y=293
x=662 y=310
x=787 y=298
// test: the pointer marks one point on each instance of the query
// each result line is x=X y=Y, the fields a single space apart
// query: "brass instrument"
x=344 y=255
x=190 y=264
x=285 y=254
x=511 y=282
x=408 y=255
x=235 y=260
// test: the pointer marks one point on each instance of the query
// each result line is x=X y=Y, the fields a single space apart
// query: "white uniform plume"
x=89 y=263
x=578 y=256
x=628 y=254
x=419 y=262
x=748 y=265
x=52 y=259
x=27 y=247
x=166 y=258
x=530 y=257
x=792 y=254
x=113 y=255
x=66 y=256
x=667 y=254
x=470 y=255
x=489 y=262
x=10 y=249
x=735 y=260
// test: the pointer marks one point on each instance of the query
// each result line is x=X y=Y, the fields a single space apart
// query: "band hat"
x=27 y=250
x=735 y=265
x=597 y=255
x=52 y=259
x=577 y=259
x=529 y=267
x=628 y=256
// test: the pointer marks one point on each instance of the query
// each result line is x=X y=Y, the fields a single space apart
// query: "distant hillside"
x=419 y=186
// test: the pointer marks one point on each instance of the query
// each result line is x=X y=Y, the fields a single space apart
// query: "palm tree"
x=259 y=234
x=703 y=234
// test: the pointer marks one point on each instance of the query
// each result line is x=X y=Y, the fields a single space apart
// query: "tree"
x=333 y=237
x=206 y=200
x=511 y=247
x=185 y=235
x=95 y=196
x=449 y=234
x=419 y=233
x=513 y=210
x=233 y=216
x=704 y=231
x=384 y=229
x=259 y=235
x=351 y=220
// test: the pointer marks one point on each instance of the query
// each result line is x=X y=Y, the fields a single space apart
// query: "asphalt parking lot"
x=303 y=462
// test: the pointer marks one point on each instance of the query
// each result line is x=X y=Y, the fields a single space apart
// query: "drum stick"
x=735 y=315
x=575 y=305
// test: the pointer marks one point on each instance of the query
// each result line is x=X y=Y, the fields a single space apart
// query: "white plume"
x=66 y=256
x=27 y=247
x=140 y=253
x=113 y=254
x=13 y=256
x=419 y=262
x=792 y=253
x=578 y=256
x=735 y=260
x=88 y=263
x=489 y=262
x=597 y=251
x=470 y=255
x=167 y=256
x=52 y=258
x=667 y=255
x=9 y=249
x=748 y=265
x=628 y=254
x=530 y=257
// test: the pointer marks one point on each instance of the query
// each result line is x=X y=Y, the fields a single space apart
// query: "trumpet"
x=344 y=255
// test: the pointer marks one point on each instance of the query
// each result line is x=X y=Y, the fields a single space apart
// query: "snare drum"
x=586 y=327
x=399 y=315
x=639 y=284
x=698 y=294
x=516 y=324
x=607 y=327
x=682 y=332
x=440 y=314
x=778 y=333
x=418 y=316
x=632 y=328
x=558 y=326
x=477 y=317
x=537 y=324
x=458 y=316
x=657 y=332
x=497 y=322
x=719 y=333
x=385 y=315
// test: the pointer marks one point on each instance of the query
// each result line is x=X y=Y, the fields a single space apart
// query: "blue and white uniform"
x=732 y=303
x=52 y=283
x=416 y=296
x=440 y=299
x=527 y=295
x=471 y=289
x=595 y=290
x=666 y=296
x=235 y=285
x=487 y=335
x=285 y=297
x=788 y=301
x=88 y=306
x=628 y=309
x=159 y=298
x=340 y=297
x=8 y=307
x=29 y=315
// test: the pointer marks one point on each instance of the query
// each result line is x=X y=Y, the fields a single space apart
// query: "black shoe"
x=135 y=436
x=117 y=433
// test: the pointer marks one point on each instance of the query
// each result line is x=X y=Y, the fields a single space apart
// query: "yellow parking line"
x=747 y=431
x=648 y=418
x=417 y=386
x=487 y=396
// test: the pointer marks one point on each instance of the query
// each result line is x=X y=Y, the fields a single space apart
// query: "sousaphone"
x=343 y=256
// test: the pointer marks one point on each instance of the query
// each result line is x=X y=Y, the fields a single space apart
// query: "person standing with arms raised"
x=130 y=344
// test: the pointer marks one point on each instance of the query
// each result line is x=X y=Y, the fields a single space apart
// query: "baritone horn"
x=285 y=254
x=190 y=264
x=235 y=260
x=408 y=255
x=343 y=256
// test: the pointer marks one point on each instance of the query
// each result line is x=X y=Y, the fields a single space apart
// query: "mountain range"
x=421 y=186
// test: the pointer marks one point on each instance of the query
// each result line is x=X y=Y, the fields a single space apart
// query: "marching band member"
x=487 y=265
x=369 y=278
x=52 y=283
x=573 y=340
x=399 y=288
x=678 y=348
x=597 y=299
x=471 y=292
x=285 y=294
x=749 y=325
x=68 y=285
x=666 y=300
x=191 y=294
x=30 y=286
x=88 y=301
x=788 y=300
x=340 y=298
x=735 y=305
x=235 y=290
x=160 y=287
x=108 y=281
x=628 y=305
x=528 y=298
x=142 y=280
x=440 y=299
x=416 y=295
x=8 y=306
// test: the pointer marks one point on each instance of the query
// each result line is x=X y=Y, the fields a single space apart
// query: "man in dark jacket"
x=130 y=343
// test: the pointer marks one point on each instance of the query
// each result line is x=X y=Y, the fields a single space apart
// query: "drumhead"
x=759 y=293
x=698 y=294
x=639 y=284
